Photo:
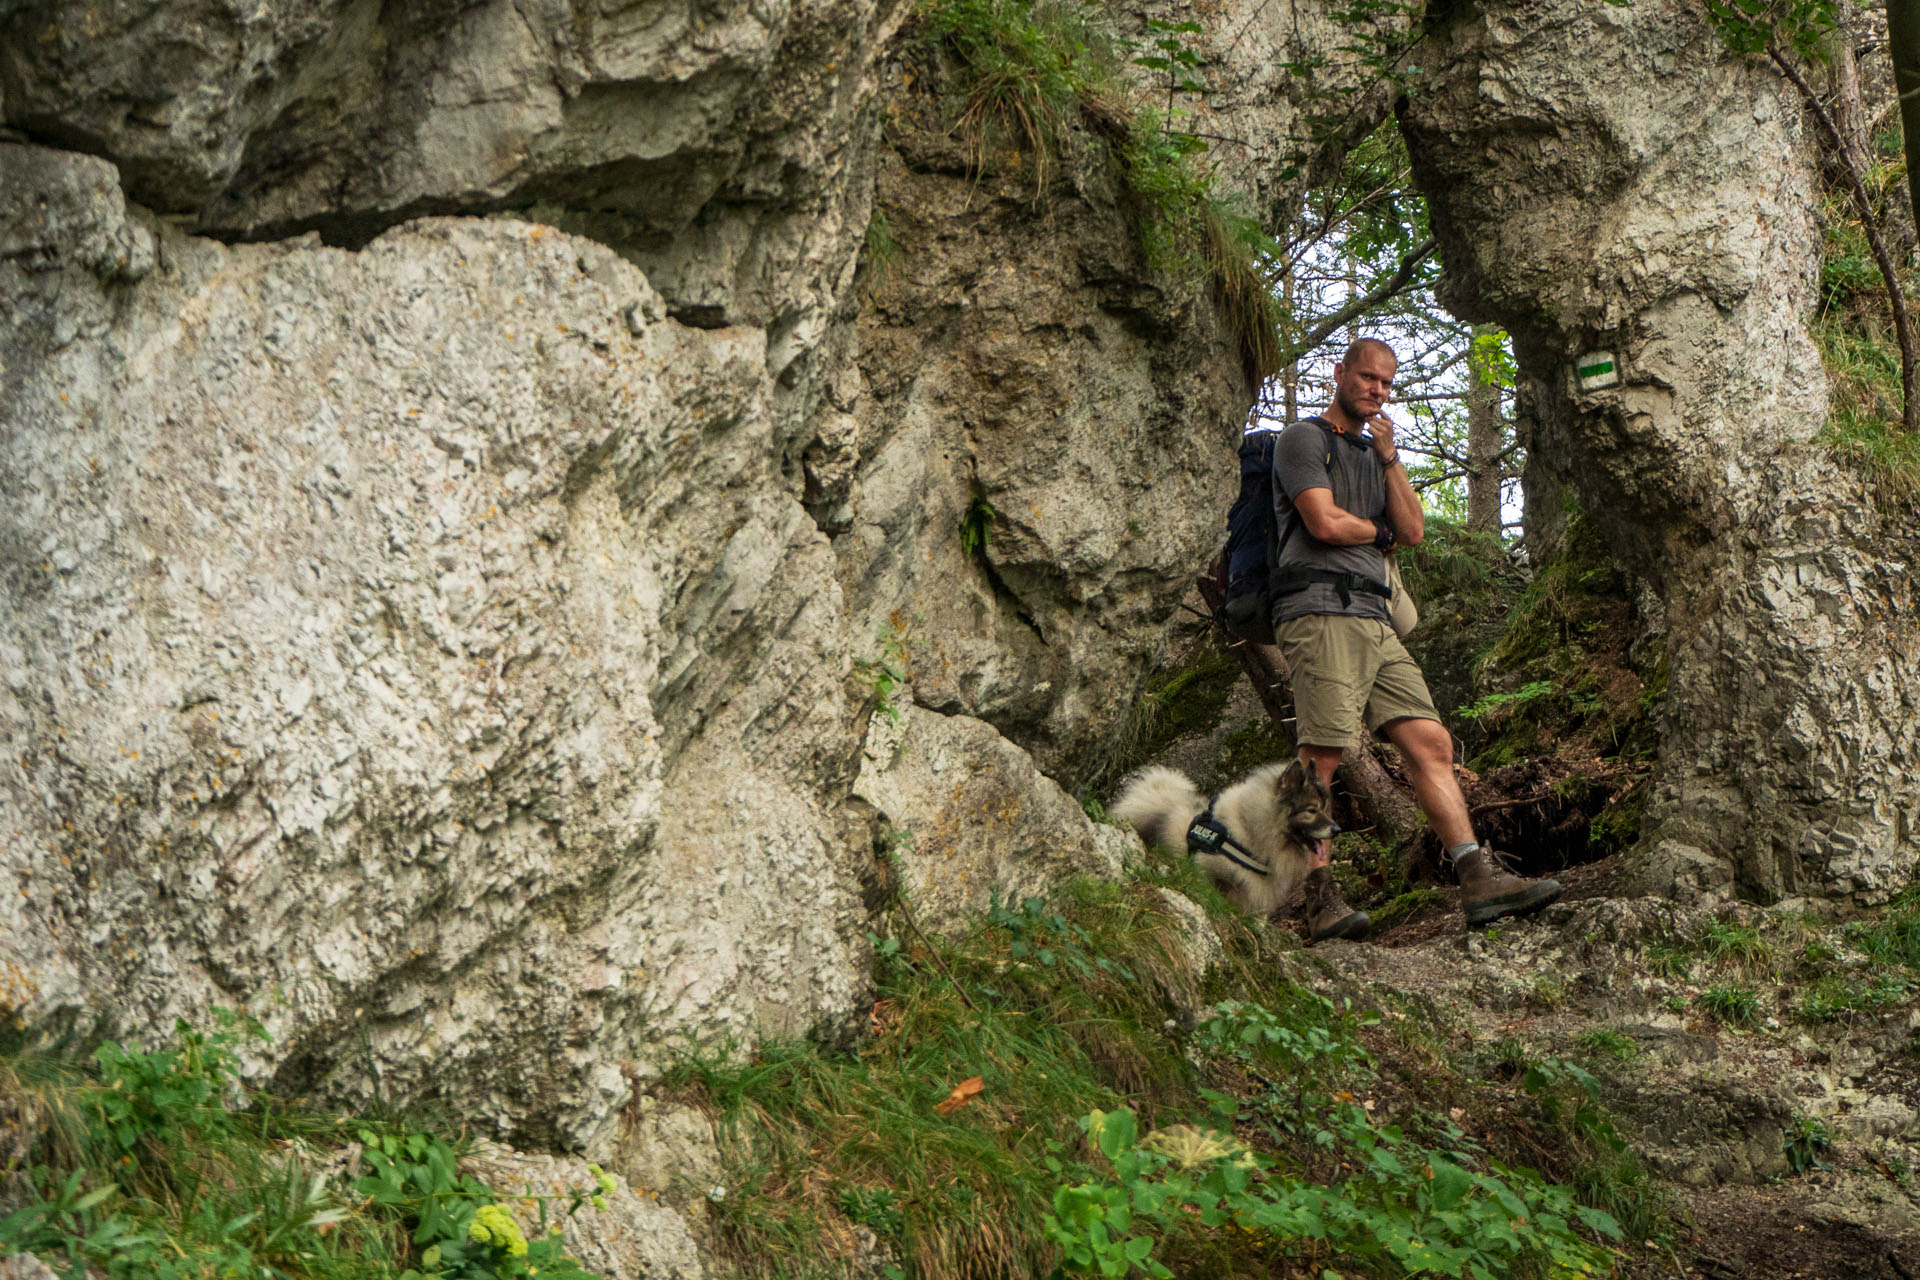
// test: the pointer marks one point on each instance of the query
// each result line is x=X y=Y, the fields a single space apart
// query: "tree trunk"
x=1290 y=374
x=1903 y=46
x=1870 y=220
x=1484 y=434
x=1849 y=106
x=1389 y=810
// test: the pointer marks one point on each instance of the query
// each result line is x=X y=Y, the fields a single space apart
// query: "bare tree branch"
x=1398 y=281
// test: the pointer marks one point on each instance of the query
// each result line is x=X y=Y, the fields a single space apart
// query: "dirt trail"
x=1711 y=1095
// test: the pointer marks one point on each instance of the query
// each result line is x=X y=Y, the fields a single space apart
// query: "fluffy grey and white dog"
x=1276 y=814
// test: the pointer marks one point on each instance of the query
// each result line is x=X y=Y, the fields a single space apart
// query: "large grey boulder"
x=413 y=648
x=969 y=821
x=1608 y=178
x=722 y=147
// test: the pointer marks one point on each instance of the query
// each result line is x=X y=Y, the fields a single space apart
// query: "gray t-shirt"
x=1308 y=456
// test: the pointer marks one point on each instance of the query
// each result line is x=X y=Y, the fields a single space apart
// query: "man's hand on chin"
x=1382 y=428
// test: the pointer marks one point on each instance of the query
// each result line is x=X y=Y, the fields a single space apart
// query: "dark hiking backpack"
x=1252 y=544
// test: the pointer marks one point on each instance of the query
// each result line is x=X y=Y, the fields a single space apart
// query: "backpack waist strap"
x=1300 y=577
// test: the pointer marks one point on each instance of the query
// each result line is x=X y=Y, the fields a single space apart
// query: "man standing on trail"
x=1342 y=500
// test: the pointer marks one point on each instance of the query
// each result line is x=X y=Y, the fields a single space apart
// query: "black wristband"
x=1387 y=462
x=1383 y=534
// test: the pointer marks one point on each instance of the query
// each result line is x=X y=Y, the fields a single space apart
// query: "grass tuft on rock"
x=1041 y=81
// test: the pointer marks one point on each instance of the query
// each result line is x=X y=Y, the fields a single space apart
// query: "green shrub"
x=1740 y=946
x=1405 y=1209
x=1807 y=1139
x=157 y=1165
x=1834 y=997
x=1605 y=1042
x=1736 y=1006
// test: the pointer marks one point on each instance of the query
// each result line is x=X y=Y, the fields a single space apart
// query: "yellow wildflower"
x=495 y=1226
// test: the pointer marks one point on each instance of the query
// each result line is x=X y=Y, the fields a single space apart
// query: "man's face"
x=1364 y=386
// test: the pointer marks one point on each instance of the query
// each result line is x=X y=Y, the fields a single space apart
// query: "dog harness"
x=1207 y=835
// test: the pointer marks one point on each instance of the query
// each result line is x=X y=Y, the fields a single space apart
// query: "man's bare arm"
x=1332 y=523
x=1404 y=512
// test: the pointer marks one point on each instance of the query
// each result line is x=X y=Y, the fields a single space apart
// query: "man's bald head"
x=1359 y=345
x=1362 y=383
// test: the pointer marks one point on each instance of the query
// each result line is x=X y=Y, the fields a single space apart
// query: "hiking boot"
x=1328 y=915
x=1489 y=890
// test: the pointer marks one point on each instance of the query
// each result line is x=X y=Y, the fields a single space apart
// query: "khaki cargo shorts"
x=1348 y=672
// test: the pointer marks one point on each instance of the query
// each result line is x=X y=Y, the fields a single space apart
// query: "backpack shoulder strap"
x=1293 y=517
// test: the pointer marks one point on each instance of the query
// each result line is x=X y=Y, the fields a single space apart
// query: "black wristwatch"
x=1383 y=535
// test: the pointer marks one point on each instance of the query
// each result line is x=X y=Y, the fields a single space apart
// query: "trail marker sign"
x=1596 y=371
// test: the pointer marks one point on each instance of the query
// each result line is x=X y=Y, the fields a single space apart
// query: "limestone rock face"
x=1030 y=468
x=969 y=819
x=415 y=649
x=723 y=147
x=1608 y=179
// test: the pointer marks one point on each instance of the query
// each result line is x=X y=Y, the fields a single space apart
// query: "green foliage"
x=1863 y=417
x=976 y=527
x=1186 y=697
x=1034 y=72
x=1049 y=938
x=1807 y=1139
x=1173 y=55
x=1605 y=1042
x=1054 y=1006
x=1853 y=329
x=1401 y=1208
x=884 y=675
x=1407 y=1210
x=1732 y=1004
x=1493 y=702
x=1491 y=357
x=1548 y=992
x=1882 y=966
x=883 y=252
x=1564 y=670
x=1402 y=905
x=1727 y=944
x=146 y=1094
x=1667 y=961
x=151 y=1169
x=1749 y=26
x=1255 y=743
x=987 y=1056
x=1027 y=68
x=456 y=1224
x=1834 y=997
x=1466 y=584
x=876 y=1208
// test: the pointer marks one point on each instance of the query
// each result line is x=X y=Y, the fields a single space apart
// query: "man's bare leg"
x=1427 y=748
x=1488 y=890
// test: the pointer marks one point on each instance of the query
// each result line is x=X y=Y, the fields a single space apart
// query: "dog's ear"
x=1299 y=781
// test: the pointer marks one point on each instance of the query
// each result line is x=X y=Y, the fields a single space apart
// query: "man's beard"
x=1349 y=407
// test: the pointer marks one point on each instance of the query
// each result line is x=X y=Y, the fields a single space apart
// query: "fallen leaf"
x=962 y=1094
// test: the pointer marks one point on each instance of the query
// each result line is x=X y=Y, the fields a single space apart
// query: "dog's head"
x=1307 y=803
